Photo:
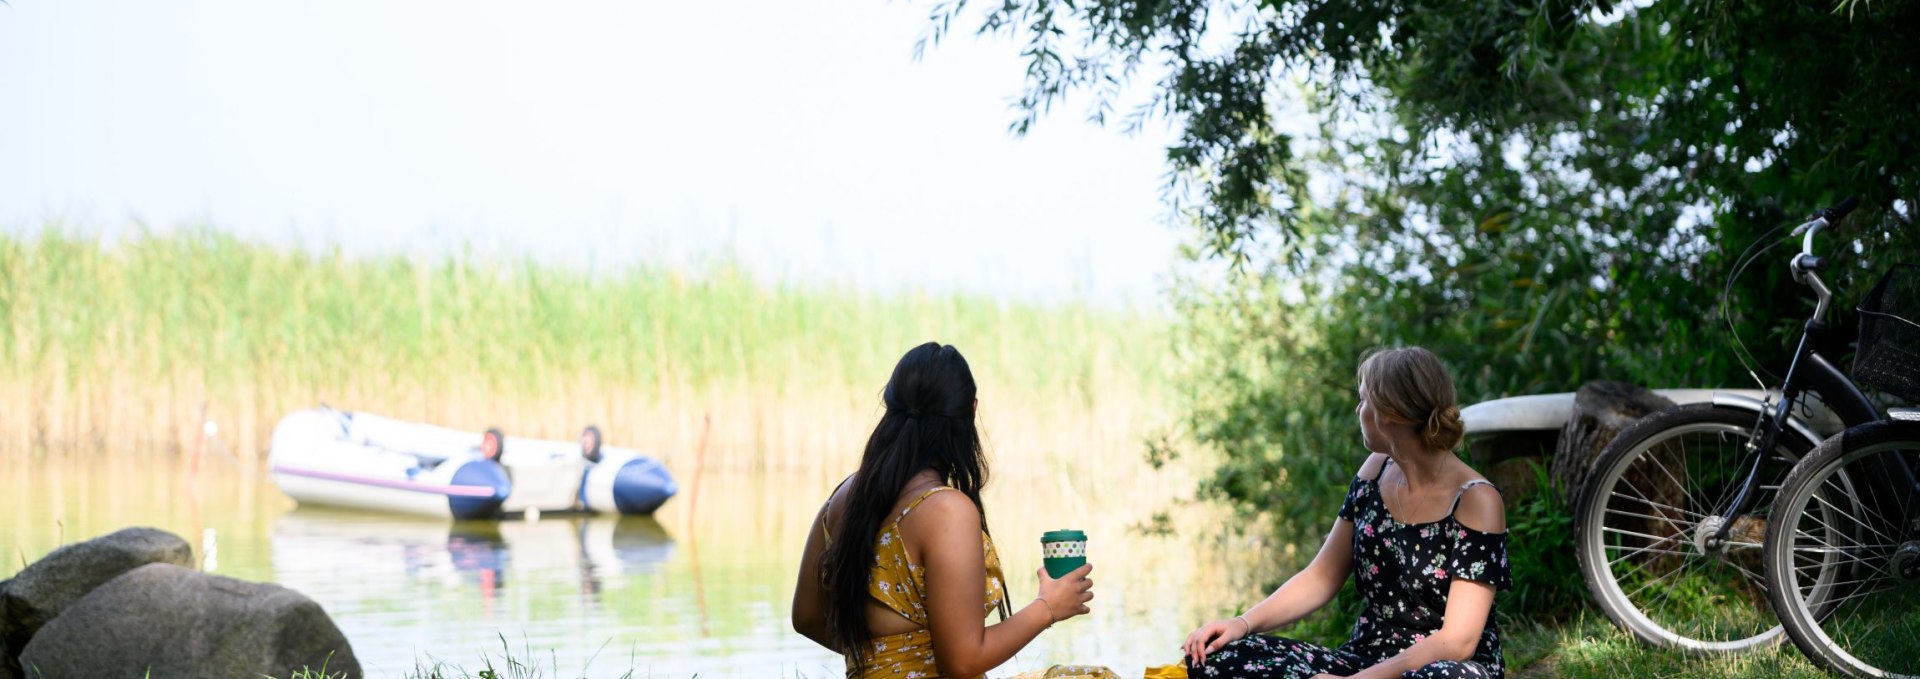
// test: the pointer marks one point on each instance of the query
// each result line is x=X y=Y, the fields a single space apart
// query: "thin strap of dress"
x=824 y=505
x=1463 y=492
x=1377 y=473
x=916 y=501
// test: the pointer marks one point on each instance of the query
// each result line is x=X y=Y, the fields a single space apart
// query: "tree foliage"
x=1545 y=193
x=1754 y=109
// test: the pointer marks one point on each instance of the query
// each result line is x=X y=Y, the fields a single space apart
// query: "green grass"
x=214 y=303
x=1588 y=647
x=133 y=336
x=1584 y=648
x=509 y=664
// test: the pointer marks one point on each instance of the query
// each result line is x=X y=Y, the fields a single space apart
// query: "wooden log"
x=1508 y=459
x=1601 y=410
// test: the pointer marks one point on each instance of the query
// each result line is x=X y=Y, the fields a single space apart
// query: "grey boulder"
x=163 y=621
x=39 y=592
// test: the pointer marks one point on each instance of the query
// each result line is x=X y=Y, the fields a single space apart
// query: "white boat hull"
x=316 y=460
x=361 y=461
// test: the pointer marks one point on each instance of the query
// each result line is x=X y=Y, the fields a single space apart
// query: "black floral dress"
x=1403 y=571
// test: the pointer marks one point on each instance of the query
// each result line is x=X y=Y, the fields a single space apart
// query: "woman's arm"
x=1299 y=596
x=1469 y=602
x=946 y=527
x=809 y=597
x=1310 y=588
x=1315 y=585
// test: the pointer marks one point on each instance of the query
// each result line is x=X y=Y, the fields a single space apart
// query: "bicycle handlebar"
x=1806 y=265
x=1822 y=219
x=1839 y=212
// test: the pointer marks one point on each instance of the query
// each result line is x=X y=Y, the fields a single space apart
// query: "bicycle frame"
x=1809 y=371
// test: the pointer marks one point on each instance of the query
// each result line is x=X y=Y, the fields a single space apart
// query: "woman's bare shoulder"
x=944 y=506
x=1481 y=508
x=837 y=500
x=1370 y=469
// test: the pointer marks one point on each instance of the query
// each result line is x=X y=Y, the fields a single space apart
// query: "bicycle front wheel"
x=1843 y=556
x=1645 y=514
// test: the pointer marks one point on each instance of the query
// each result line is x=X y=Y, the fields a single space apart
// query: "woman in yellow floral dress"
x=894 y=577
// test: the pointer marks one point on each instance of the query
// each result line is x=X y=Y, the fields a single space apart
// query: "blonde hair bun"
x=1410 y=386
x=1444 y=429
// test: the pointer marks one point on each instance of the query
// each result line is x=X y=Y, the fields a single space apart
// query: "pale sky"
x=801 y=135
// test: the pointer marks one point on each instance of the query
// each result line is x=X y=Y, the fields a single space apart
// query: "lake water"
x=702 y=588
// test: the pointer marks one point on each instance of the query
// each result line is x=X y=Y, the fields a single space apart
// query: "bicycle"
x=1669 y=524
x=1843 y=571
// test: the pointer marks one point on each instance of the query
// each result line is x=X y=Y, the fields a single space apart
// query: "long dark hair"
x=928 y=425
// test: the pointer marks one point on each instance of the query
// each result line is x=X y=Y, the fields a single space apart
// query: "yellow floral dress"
x=901 y=586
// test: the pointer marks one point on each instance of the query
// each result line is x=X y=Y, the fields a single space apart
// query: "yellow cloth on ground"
x=1069 y=672
x=901 y=586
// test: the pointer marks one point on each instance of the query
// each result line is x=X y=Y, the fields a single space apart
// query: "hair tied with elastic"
x=1444 y=429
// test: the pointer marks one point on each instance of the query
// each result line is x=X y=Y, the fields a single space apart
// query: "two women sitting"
x=892 y=577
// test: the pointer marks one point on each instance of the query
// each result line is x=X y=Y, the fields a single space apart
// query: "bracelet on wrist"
x=1243 y=621
x=1051 y=618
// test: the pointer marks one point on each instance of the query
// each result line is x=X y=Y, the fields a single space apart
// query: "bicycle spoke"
x=1666 y=593
x=1623 y=512
x=1683 y=567
x=1892 y=524
x=1857 y=521
x=1724 y=500
x=1639 y=529
x=1752 y=576
x=1662 y=464
x=1830 y=529
x=1623 y=531
x=1848 y=554
x=1650 y=550
x=1874 y=500
x=1694 y=517
x=1646 y=501
x=1882 y=576
x=1830 y=549
x=1877 y=565
x=1857 y=595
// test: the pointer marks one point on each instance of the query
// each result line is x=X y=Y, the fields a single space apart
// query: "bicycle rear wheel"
x=1642 y=520
x=1843 y=556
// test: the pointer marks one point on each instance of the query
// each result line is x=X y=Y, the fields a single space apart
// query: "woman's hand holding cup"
x=1066 y=596
x=1211 y=636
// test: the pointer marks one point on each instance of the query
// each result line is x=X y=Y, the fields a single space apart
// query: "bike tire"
x=1863 y=619
x=1626 y=537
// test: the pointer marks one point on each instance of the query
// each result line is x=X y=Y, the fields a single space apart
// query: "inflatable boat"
x=357 y=460
x=561 y=476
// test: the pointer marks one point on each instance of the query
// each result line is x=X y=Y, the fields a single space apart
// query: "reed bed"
x=134 y=344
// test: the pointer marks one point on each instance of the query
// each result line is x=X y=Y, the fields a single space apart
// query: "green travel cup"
x=1063 y=551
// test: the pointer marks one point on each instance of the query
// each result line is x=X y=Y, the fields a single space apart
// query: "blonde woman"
x=1420 y=531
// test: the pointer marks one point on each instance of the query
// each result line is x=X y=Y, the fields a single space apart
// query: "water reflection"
x=695 y=593
x=313 y=548
x=409 y=590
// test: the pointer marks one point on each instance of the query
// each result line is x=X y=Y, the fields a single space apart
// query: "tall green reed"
x=129 y=342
